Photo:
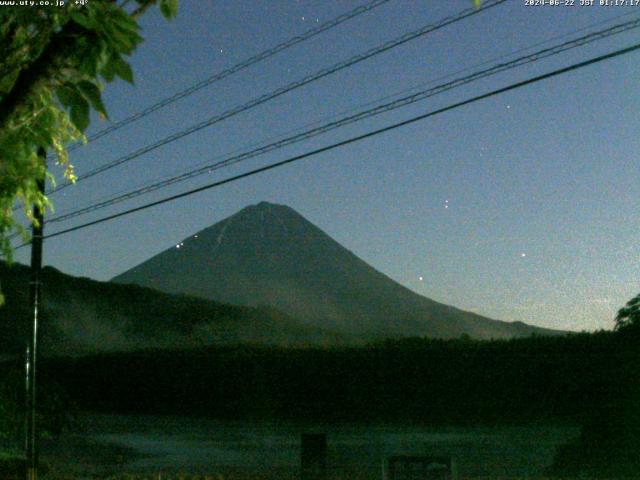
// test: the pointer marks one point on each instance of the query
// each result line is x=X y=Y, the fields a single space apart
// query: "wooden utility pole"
x=31 y=440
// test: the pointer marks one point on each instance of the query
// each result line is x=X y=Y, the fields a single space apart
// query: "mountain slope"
x=269 y=254
x=79 y=316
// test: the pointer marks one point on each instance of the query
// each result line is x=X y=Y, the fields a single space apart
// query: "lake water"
x=114 y=443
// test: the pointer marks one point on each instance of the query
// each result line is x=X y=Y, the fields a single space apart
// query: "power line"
x=372 y=102
x=398 y=103
x=236 y=68
x=333 y=146
x=320 y=121
x=288 y=88
x=224 y=74
x=414 y=89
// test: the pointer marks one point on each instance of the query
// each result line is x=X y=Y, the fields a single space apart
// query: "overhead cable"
x=351 y=140
x=350 y=110
x=286 y=89
x=395 y=104
x=236 y=68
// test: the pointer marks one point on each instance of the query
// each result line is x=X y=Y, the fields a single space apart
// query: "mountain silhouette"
x=79 y=316
x=268 y=254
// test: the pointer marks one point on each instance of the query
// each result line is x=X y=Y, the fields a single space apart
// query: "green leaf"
x=122 y=69
x=124 y=22
x=121 y=32
x=88 y=66
x=67 y=96
x=91 y=58
x=107 y=70
x=124 y=42
x=80 y=115
x=83 y=20
x=6 y=83
x=169 y=8
x=92 y=93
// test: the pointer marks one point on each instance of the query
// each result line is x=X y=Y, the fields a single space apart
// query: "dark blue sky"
x=519 y=207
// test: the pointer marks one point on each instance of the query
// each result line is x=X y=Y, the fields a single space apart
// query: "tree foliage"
x=628 y=317
x=55 y=63
x=413 y=380
x=54 y=415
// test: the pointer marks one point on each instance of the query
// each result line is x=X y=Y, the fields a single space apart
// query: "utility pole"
x=31 y=460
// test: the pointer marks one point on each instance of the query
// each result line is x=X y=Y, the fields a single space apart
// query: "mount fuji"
x=268 y=254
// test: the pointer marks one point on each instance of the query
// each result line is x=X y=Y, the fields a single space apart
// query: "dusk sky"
x=523 y=206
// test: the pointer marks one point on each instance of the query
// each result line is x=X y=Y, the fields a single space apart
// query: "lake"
x=152 y=444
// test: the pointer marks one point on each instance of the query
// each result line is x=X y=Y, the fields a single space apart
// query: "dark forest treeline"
x=83 y=316
x=559 y=379
x=591 y=380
